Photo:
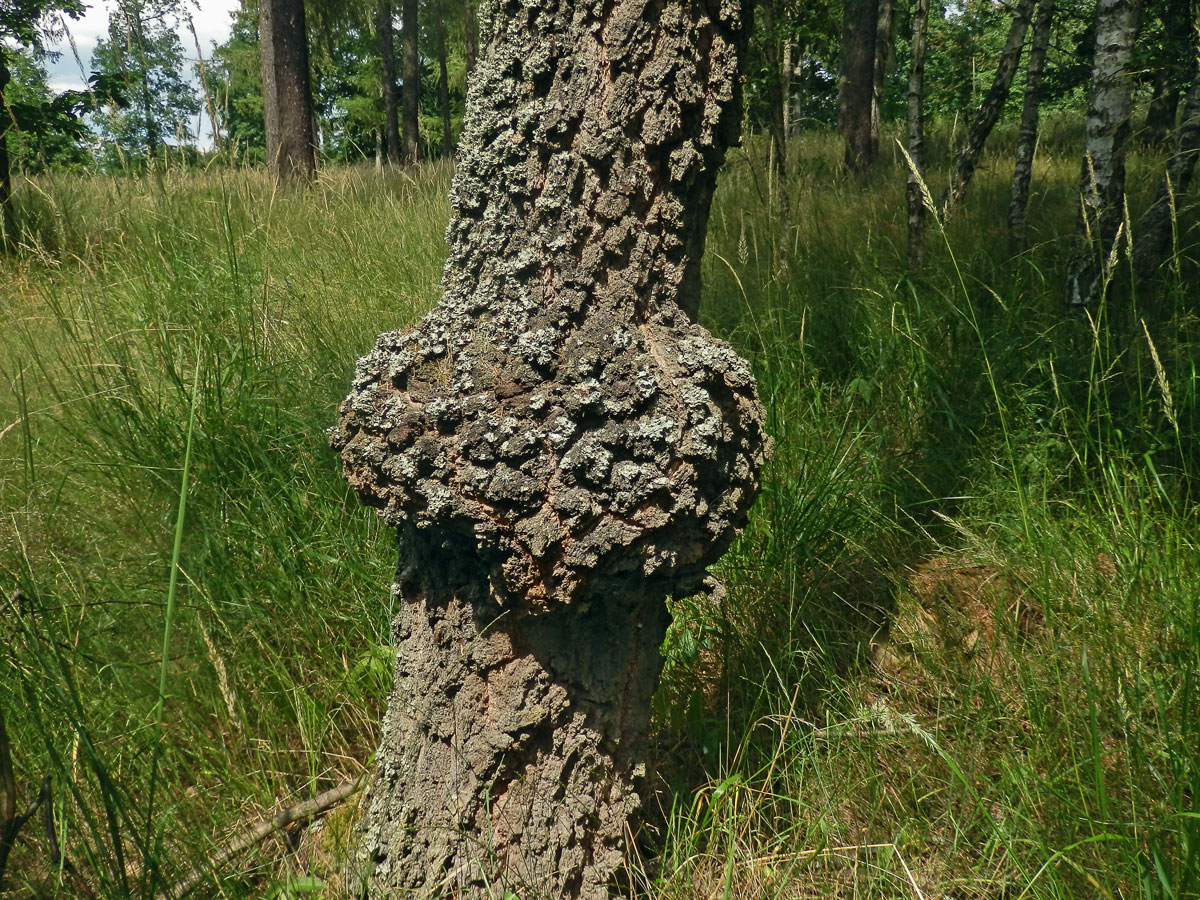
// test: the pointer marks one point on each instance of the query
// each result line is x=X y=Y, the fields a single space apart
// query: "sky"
x=211 y=18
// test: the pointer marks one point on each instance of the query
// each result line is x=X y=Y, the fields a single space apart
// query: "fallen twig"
x=259 y=832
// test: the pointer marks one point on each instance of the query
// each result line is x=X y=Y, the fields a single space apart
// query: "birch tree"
x=967 y=160
x=1102 y=185
x=917 y=186
x=1027 y=131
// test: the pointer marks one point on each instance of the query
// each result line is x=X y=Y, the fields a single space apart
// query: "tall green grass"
x=959 y=651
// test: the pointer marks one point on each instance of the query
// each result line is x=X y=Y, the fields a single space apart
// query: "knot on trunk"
x=572 y=458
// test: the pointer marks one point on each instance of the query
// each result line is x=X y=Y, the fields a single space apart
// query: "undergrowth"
x=959 y=651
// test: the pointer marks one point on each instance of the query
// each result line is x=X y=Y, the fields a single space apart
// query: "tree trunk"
x=387 y=57
x=444 y=91
x=559 y=445
x=917 y=186
x=989 y=112
x=1161 y=112
x=8 y=228
x=287 y=97
x=470 y=35
x=411 y=74
x=884 y=17
x=776 y=96
x=1027 y=131
x=1102 y=186
x=133 y=21
x=858 y=114
x=1157 y=225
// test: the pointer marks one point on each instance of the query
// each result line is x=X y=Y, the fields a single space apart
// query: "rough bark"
x=1027 y=131
x=411 y=87
x=444 y=90
x=917 y=188
x=7 y=224
x=386 y=33
x=1157 y=225
x=1102 y=185
x=287 y=96
x=967 y=160
x=559 y=445
x=858 y=114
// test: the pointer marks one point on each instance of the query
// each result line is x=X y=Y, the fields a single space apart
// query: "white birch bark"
x=1102 y=188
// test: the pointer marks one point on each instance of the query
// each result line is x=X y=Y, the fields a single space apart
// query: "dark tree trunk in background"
x=387 y=56
x=411 y=74
x=776 y=89
x=989 y=112
x=917 y=193
x=287 y=97
x=560 y=446
x=470 y=34
x=8 y=230
x=858 y=114
x=884 y=18
x=1027 y=131
x=1161 y=111
x=444 y=91
x=1157 y=226
x=1102 y=186
x=1170 y=60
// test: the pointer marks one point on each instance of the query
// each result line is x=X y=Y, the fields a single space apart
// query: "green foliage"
x=45 y=129
x=149 y=99
x=961 y=643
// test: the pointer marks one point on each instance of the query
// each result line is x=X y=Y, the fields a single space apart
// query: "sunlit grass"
x=959 y=651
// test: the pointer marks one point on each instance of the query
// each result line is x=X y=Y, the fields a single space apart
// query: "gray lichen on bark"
x=559 y=444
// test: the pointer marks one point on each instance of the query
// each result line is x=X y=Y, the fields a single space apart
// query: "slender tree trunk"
x=884 y=18
x=8 y=228
x=387 y=57
x=411 y=88
x=858 y=115
x=916 y=137
x=559 y=445
x=785 y=80
x=1102 y=186
x=287 y=96
x=1157 y=225
x=989 y=112
x=1027 y=132
x=470 y=34
x=776 y=97
x=444 y=91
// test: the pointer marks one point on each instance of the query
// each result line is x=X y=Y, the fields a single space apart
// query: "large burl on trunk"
x=559 y=445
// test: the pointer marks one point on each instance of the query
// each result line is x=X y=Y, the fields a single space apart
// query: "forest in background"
x=960 y=650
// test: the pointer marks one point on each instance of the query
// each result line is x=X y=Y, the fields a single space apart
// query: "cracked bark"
x=559 y=445
x=287 y=97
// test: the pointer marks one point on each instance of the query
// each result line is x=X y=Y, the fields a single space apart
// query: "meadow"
x=960 y=652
